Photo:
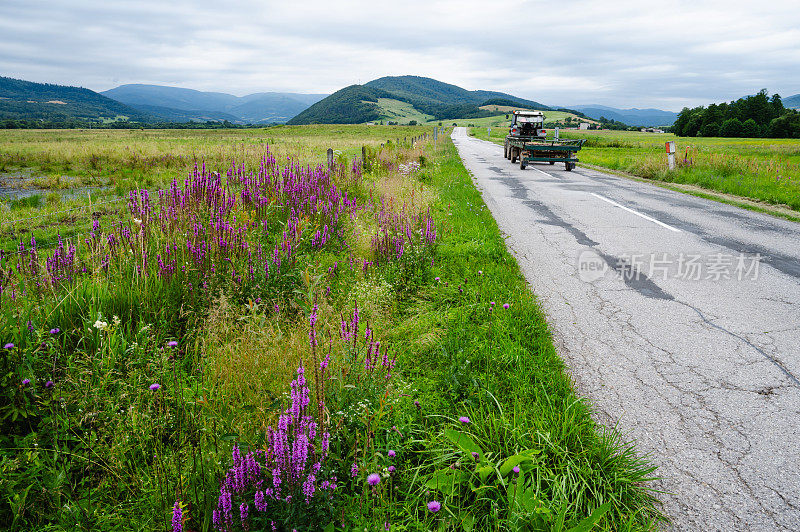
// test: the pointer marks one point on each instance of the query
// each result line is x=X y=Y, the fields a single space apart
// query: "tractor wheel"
x=505 y=150
x=513 y=155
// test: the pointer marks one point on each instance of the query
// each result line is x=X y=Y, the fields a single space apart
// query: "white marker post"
x=488 y=132
x=556 y=134
x=671 y=154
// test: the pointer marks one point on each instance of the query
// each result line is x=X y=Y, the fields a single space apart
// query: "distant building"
x=651 y=130
x=583 y=125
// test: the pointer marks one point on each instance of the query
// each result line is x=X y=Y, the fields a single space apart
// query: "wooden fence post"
x=330 y=158
x=364 y=157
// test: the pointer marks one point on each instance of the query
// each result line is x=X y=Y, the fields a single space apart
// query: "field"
x=231 y=336
x=765 y=170
x=401 y=112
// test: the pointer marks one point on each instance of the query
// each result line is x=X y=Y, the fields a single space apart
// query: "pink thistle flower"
x=464 y=419
x=434 y=506
x=373 y=479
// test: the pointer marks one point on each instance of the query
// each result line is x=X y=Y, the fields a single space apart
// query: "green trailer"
x=527 y=142
x=535 y=150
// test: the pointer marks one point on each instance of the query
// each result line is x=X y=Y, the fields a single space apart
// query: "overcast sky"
x=623 y=53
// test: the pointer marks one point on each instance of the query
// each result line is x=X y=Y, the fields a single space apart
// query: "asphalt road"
x=679 y=319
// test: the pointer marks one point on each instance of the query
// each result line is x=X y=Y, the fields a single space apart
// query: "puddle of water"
x=22 y=184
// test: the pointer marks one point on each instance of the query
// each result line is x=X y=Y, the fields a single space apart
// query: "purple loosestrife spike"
x=373 y=479
x=177 y=517
x=434 y=506
x=464 y=419
x=243 y=511
x=354 y=470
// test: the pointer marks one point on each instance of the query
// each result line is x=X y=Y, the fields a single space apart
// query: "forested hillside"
x=25 y=100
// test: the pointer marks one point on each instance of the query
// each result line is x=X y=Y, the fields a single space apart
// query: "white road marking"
x=623 y=207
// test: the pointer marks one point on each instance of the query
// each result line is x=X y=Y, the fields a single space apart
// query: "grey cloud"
x=622 y=53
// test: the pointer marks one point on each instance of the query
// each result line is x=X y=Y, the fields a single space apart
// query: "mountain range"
x=632 y=117
x=178 y=104
x=392 y=98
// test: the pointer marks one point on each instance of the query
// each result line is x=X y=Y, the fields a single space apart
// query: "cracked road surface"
x=671 y=327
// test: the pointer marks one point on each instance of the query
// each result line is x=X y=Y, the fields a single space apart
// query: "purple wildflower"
x=416 y=403
x=475 y=456
x=243 y=511
x=391 y=454
x=8 y=346
x=437 y=279
x=391 y=469
x=172 y=343
x=155 y=386
x=48 y=384
x=55 y=331
x=177 y=517
x=373 y=479
x=26 y=382
x=506 y=305
x=354 y=470
x=516 y=470
x=464 y=419
x=434 y=506
x=491 y=303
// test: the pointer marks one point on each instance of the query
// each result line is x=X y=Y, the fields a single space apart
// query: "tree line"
x=752 y=116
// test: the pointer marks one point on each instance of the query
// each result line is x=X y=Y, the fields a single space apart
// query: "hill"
x=406 y=98
x=355 y=104
x=26 y=100
x=266 y=107
x=792 y=102
x=632 y=117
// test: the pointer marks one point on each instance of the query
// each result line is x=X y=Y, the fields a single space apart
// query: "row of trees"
x=752 y=116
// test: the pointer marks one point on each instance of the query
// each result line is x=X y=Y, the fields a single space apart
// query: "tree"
x=731 y=128
x=786 y=126
x=750 y=129
x=710 y=130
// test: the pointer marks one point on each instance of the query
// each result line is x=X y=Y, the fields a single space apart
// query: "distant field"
x=402 y=112
x=766 y=170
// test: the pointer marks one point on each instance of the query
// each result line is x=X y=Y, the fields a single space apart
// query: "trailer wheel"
x=570 y=166
x=513 y=155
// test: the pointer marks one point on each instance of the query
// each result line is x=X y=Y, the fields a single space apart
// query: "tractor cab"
x=527 y=124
